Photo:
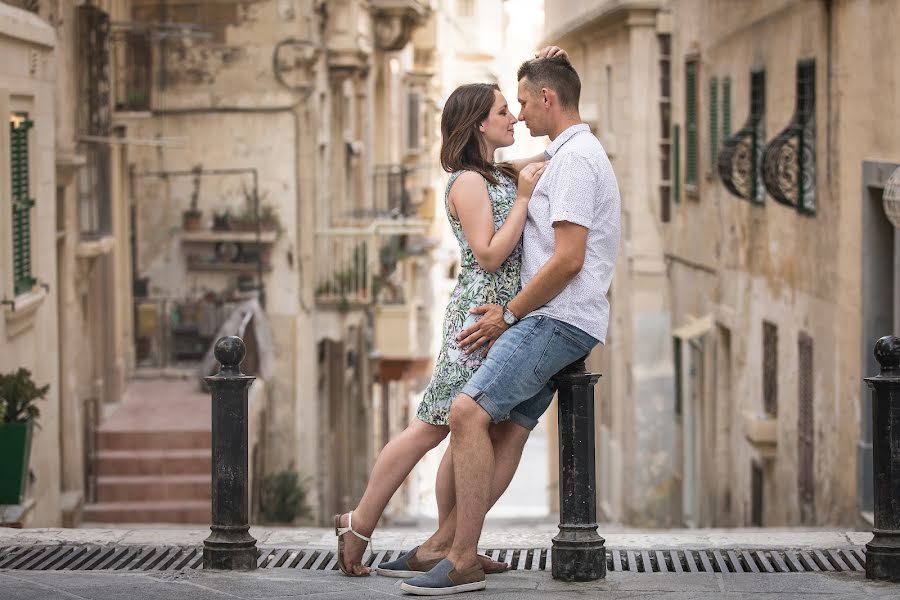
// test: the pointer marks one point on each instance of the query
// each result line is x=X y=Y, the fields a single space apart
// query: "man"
x=570 y=244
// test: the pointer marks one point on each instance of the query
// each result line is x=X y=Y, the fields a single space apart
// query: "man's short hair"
x=555 y=73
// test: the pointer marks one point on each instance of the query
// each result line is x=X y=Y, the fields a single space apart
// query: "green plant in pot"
x=18 y=417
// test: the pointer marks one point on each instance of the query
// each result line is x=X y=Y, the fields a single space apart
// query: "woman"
x=487 y=212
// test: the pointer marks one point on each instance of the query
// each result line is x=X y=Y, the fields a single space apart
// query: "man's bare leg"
x=508 y=440
x=394 y=463
x=473 y=471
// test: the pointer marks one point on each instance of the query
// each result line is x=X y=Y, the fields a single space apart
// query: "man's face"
x=532 y=111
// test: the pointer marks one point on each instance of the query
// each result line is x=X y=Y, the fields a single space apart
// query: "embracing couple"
x=538 y=239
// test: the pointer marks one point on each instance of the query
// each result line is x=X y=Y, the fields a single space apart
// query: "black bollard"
x=578 y=552
x=230 y=545
x=883 y=552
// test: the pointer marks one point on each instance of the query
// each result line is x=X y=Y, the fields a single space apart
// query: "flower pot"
x=192 y=220
x=15 y=448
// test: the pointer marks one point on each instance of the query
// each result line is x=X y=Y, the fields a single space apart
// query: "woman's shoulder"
x=467 y=178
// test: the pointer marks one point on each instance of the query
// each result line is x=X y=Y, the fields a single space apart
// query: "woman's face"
x=497 y=129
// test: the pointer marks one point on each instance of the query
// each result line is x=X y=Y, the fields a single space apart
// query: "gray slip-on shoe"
x=444 y=579
x=408 y=565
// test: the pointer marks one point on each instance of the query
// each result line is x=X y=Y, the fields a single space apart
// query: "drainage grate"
x=172 y=558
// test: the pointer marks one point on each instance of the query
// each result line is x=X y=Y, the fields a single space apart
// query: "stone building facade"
x=615 y=46
x=328 y=107
x=143 y=111
x=780 y=259
x=69 y=319
x=752 y=142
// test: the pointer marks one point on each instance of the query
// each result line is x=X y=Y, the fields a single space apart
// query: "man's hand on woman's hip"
x=486 y=331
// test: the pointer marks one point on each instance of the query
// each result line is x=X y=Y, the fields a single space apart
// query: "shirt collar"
x=564 y=137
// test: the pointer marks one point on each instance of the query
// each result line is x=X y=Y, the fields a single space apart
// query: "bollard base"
x=578 y=554
x=229 y=549
x=883 y=558
x=579 y=564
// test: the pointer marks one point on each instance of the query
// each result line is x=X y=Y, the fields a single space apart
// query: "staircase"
x=153 y=457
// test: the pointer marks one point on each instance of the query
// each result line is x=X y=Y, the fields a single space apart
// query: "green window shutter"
x=21 y=205
x=676 y=359
x=726 y=108
x=676 y=162
x=690 y=123
x=713 y=120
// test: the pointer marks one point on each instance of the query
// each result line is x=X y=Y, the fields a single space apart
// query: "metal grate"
x=174 y=558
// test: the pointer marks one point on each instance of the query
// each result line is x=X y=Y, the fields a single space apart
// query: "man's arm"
x=565 y=263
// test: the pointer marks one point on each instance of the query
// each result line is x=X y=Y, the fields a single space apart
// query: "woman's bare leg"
x=446 y=501
x=444 y=490
x=395 y=461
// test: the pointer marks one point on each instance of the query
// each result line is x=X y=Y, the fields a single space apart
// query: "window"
x=757 y=112
x=22 y=203
x=690 y=123
x=740 y=161
x=756 y=493
x=414 y=121
x=94 y=119
x=665 y=127
x=134 y=71
x=805 y=430
x=770 y=368
x=676 y=360
x=789 y=161
x=713 y=119
x=676 y=163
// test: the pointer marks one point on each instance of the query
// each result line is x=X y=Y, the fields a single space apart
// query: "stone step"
x=138 y=488
x=191 y=512
x=153 y=462
x=130 y=439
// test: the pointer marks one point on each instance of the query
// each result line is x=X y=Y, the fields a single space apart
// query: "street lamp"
x=891 y=198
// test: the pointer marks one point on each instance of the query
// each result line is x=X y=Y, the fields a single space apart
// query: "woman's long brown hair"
x=462 y=146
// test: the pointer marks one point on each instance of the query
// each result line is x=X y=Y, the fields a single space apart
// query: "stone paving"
x=289 y=583
x=295 y=583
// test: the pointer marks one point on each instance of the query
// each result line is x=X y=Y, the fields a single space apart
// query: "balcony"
x=357 y=255
x=401 y=322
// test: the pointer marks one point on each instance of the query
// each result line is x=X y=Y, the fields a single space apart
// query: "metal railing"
x=345 y=265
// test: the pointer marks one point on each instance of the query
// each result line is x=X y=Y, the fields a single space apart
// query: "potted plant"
x=192 y=219
x=18 y=394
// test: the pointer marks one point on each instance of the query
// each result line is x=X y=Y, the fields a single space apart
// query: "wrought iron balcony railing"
x=789 y=163
x=740 y=160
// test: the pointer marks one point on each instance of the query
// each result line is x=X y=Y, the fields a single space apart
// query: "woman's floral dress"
x=474 y=287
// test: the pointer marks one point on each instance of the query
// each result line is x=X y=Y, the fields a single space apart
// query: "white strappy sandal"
x=339 y=532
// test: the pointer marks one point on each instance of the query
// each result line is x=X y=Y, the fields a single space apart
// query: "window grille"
x=94 y=119
x=134 y=70
x=805 y=430
x=770 y=368
x=690 y=123
x=726 y=108
x=789 y=164
x=740 y=161
x=665 y=126
x=22 y=203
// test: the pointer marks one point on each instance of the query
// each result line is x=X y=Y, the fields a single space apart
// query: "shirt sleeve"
x=572 y=190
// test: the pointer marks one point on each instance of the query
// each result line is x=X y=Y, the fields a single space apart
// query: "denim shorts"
x=514 y=381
